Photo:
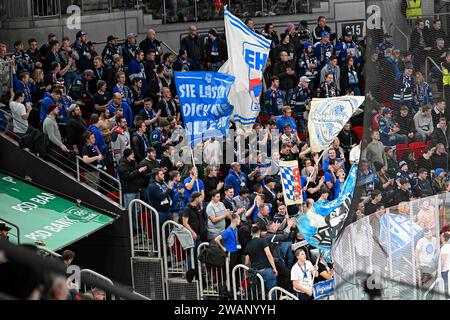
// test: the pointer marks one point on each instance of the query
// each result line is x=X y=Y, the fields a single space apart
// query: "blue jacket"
x=99 y=140
x=48 y=100
x=323 y=53
x=273 y=102
x=28 y=89
x=136 y=69
x=233 y=180
x=282 y=121
x=127 y=113
x=341 y=51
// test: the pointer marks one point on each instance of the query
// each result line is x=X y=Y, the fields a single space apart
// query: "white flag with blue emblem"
x=247 y=57
x=327 y=117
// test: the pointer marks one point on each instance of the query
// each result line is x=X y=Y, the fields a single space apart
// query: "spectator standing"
x=302 y=275
x=151 y=163
x=110 y=50
x=211 y=182
x=404 y=87
x=129 y=48
x=118 y=103
x=159 y=137
x=419 y=44
x=136 y=69
x=76 y=129
x=284 y=69
x=120 y=140
x=217 y=214
x=423 y=122
x=444 y=259
x=194 y=47
x=100 y=139
x=423 y=186
x=236 y=178
x=440 y=135
x=319 y=29
x=324 y=50
x=215 y=50
x=349 y=79
x=438 y=111
x=93 y=157
x=273 y=98
x=84 y=52
x=139 y=142
x=50 y=128
x=159 y=195
x=332 y=67
x=406 y=123
x=130 y=175
x=20 y=113
x=439 y=159
x=258 y=257
x=228 y=241
x=193 y=183
x=422 y=94
x=328 y=88
x=151 y=43
x=193 y=218
x=308 y=65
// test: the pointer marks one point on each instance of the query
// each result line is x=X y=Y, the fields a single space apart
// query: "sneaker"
x=258 y=14
x=271 y=14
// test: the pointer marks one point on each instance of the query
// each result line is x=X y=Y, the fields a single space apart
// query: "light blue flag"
x=322 y=222
x=204 y=104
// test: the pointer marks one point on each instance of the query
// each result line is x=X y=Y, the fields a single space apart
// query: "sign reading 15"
x=355 y=27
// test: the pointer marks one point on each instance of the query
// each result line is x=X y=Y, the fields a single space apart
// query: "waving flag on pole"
x=290 y=178
x=204 y=104
x=322 y=222
x=327 y=117
x=247 y=57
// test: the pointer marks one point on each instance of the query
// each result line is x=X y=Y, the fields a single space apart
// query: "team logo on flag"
x=290 y=178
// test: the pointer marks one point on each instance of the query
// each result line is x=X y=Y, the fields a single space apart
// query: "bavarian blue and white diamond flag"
x=290 y=180
x=327 y=117
x=247 y=57
x=322 y=222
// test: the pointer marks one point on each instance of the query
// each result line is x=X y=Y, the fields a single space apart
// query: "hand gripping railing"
x=247 y=290
x=91 y=273
x=211 y=278
x=277 y=293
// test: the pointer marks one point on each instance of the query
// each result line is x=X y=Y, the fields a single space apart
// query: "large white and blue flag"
x=247 y=57
x=204 y=104
x=322 y=222
x=327 y=117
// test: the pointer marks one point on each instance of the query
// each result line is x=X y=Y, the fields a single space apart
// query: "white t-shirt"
x=303 y=274
x=427 y=250
x=355 y=154
x=445 y=249
x=18 y=110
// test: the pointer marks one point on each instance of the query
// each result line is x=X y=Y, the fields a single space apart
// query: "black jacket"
x=159 y=196
x=138 y=147
x=130 y=177
x=423 y=188
x=221 y=51
x=150 y=164
x=439 y=136
x=76 y=127
x=440 y=161
x=194 y=47
x=279 y=70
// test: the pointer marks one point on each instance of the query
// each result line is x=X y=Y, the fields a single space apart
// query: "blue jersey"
x=342 y=49
x=127 y=113
x=125 y=91
x=323 y=53
x=136 y=69
x=157 y=139
x=273 y=102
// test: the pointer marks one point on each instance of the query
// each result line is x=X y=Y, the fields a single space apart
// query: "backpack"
x=213 y=255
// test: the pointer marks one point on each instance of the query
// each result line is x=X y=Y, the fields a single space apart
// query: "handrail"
x=233 y=277
x=119 y=184
x=401 y=32
x=431 y=288
x=99 y=276
x=168 y=47
x=429 y=59
x=284 y=291
x=50 y=252
x=141 y=296
x=67 y=166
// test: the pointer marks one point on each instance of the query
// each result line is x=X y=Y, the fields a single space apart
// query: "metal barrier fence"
x=144 y=229
x=396 y=250
x=246 y=286
x=14 y=236
x=212 y=280
x=90 y=273
x=177 y=261
x=277 y=293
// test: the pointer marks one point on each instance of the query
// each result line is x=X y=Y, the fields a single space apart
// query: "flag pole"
x=314 y=171
x=193 y=163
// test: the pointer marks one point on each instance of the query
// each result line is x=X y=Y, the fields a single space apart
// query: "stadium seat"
x=417 y=148
x=359 y=131
x=401 y=148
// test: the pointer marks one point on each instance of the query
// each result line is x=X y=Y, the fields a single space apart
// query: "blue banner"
x=322 y=222
x=204 y=104
x=397 y=229
x=323 y=288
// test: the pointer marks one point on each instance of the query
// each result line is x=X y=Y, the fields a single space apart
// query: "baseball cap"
x=131 y=35
x=402 y=163
x=195 y=195
x=349 y=33
x=4 y=227
x=305 y=79
x=110 y=38
x=213 y=32
x=439 y=171
x=88 y=72
x=386 y=111
x=80 y=34
x=325 y=34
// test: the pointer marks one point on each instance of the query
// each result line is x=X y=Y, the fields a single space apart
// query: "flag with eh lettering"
x=290 y=180
x=327 y=117
x=247 y=57
x=204 y=104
